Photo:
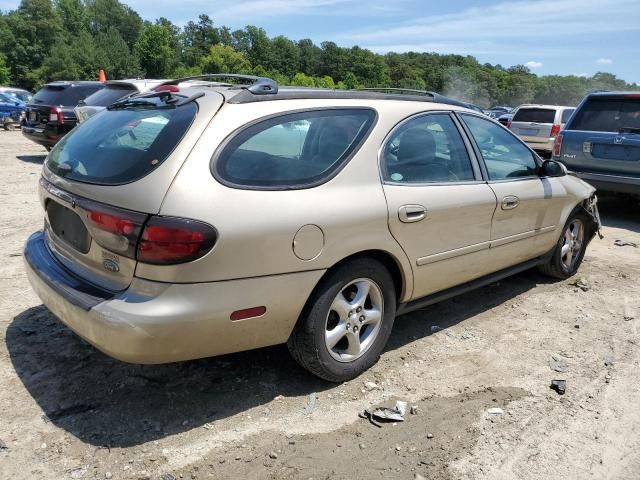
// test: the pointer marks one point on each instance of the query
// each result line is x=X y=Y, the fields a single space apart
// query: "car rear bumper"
x=153 y=322
x=41 y=136
x=540 y=144
x=610 y=183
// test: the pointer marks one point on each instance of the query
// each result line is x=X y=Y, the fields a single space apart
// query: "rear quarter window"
x=608 y=114
x=120 y=146
x=537 y=115
x=294 y=150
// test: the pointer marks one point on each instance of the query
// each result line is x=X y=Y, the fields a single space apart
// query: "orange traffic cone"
x=102 y=77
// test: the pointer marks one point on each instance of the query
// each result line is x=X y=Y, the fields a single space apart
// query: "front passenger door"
x=527 y=217
x=440 y=209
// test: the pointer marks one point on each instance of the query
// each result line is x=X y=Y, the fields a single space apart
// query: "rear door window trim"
x=475 y=163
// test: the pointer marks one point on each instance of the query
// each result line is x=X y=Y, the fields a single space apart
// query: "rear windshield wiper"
x=630 y=130
x=127 y=103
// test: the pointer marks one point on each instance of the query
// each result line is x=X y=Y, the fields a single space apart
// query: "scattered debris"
x=311 y=404
x=558 y=364
x=419 y=477
x=208 y=426
x=279 y=397
x=607 y=378
x=560 y=386
x=625 y=243
x=15 y=254
x=582 y=284
x=386 y=414
x=413 y=410
x=108 y=475
x=435 y=328
x=273 y=455
x=3 y=446
x=429 y=436
x=78 y=472
x=495 y=411
x=609 y=362
x=370 y=386
x=362 y=446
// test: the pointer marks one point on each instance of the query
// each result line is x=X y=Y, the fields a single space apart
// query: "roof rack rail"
x=410 y=91
x=258 y=85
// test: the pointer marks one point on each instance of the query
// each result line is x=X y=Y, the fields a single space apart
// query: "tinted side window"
x=427 y=149
x=608 y=114
x=504 y=155
x=108 y=95
x=293 y=150
x=65 y=95
x=537 y=115
x=566 y=114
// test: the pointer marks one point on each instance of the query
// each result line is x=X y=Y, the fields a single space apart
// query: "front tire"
x=571 y=247
x=347 y=321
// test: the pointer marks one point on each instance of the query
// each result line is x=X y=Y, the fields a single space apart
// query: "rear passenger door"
x=440 y=209
x=529 y=206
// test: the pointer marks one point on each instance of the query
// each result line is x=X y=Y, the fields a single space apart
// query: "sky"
x=579 y=37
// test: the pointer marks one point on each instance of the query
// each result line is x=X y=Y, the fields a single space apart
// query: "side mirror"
x=551 y=168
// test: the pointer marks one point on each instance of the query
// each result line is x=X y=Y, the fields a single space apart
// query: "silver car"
x=202 y=220
x=539 y=125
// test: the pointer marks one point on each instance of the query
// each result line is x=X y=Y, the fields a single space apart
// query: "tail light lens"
x=555 y=130
x=557 y=146
x=56 y=115
x=114 y=229
x=169 y=240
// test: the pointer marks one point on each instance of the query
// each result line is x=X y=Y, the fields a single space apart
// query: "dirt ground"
x=68 y=411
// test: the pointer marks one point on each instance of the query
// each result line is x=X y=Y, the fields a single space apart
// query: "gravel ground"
x=68 y=411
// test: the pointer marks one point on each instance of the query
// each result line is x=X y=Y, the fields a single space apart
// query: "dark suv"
x=601 y=141
x=50 y=114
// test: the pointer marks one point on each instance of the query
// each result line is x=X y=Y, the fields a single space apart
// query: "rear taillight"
x=167 y=88
x=557 y=146
x=56 y=115
x=170 y=240
x=555 y=130
x=114 y=229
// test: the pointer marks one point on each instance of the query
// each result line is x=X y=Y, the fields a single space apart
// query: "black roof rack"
x=258 y=85
x=301 y=93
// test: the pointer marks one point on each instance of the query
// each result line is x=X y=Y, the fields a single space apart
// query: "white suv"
x=539 y=125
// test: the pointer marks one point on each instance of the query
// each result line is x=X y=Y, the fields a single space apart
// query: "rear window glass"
x=120 y=146
x=66 y=96
x=606 y=114
x=108 y=95
x=294 y=150
x=566 y=115
x=537 y=115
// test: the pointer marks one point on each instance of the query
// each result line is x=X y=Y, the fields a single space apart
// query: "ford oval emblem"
x=110 y=265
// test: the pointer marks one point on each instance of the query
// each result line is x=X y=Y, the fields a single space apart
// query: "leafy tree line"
x=45 y=40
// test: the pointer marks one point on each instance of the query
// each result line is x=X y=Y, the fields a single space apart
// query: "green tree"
x=5 y=73
x=154 y=50
x=302 y=80
x=105 y=14
x=224 y=59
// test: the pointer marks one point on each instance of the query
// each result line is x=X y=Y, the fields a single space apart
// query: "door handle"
x=412 y=213
x=510 y=202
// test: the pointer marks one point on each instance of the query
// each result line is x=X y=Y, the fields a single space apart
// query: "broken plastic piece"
x=559 y=386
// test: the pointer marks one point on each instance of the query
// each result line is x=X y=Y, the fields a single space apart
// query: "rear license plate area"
x=68 y=226
x=32 y=116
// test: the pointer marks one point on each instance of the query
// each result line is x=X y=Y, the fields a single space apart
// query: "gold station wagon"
x=204 y=218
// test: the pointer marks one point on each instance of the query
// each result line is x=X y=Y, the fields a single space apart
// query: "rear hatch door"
x=604 y=136
x=533 y=123
x=63 y=96
x=105 y=178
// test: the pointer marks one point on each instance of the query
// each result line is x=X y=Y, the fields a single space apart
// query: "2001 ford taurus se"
x=209 y=218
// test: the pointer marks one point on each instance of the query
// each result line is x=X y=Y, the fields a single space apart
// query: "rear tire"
x=346 y=322
x=569 y=251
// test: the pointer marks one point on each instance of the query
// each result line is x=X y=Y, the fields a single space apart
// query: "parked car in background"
x=11 y=111
x=495 y=112
x=50 y=115
x=22 y=95
x=539 y=125
x=203 y=220
x=601 y=141
x=113 y=91
x=505 y=118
